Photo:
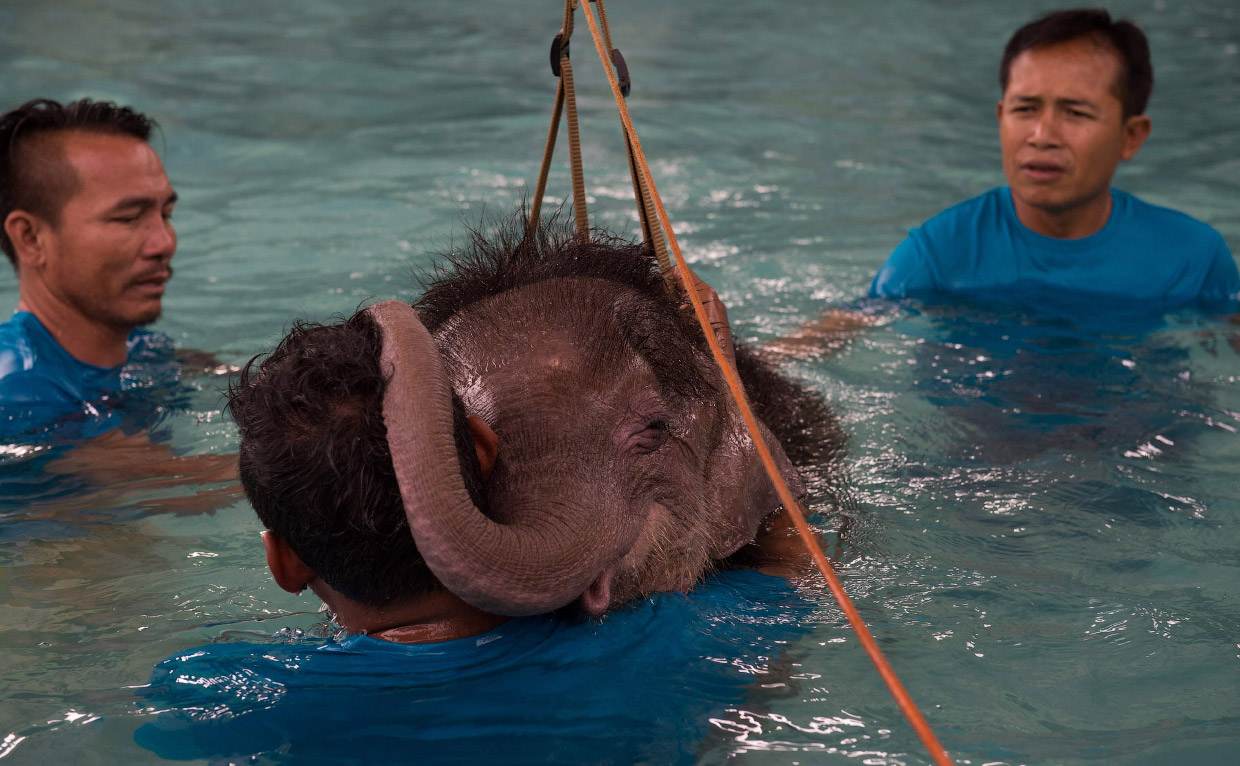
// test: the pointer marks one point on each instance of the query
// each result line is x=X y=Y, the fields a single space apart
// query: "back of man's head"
x=34 y=175
x=315 y=464
x=1136 y=78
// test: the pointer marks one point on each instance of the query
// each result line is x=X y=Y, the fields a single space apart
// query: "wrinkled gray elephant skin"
x=623 y=465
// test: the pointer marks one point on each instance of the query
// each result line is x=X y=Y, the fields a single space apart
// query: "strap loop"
x=559 y=47
x=622 y=71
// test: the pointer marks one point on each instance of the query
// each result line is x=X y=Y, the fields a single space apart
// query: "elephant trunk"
x=536 y=563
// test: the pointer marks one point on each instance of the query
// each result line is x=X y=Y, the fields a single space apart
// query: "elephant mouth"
x=670 y=554
x=597 y=598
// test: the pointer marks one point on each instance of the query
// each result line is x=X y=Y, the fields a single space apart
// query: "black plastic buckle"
x=559 y=47
x=622 y=72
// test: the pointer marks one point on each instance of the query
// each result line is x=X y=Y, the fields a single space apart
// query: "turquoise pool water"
x=1046 y=520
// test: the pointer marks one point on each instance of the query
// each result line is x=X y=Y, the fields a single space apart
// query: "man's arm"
x=778 y=549
x=117 y=457
x=115 y=465
x=196 y=363
x=821 y=337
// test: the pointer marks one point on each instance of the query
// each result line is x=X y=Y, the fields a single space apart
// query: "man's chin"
x=141 y=318
x=1044 y=199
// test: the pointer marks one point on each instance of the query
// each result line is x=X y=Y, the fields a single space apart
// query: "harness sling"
x=566 y=98
x=657 y=233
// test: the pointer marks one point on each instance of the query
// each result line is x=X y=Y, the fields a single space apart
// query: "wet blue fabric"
x=638 y=687
x=1144 y=253
x=43 y=386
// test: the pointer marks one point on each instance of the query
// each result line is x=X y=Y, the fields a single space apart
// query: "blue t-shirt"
x=42 y=385
x=638 y=687
x=1144 y=253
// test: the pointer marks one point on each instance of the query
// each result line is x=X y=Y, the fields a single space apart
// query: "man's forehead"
x=1083 y=68
x=107 y=162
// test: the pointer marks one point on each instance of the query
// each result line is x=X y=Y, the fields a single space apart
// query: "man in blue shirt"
x=1075 y=86
x=426 y=674
x=660 y=681
x=86 y=207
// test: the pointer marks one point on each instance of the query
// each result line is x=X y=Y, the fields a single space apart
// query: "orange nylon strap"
x=541 y=189
x=791 y=506
x=565 y=93
x=602 y=22
x=652 y=234
x=638 y=194
x=574 y=152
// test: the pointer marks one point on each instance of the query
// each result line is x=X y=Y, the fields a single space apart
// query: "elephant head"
x=623 y=467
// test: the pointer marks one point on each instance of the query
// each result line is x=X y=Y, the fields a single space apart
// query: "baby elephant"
x=546 y=419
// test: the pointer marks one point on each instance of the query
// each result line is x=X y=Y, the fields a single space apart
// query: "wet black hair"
x=33 y=175
x=315 y=464
x=1136 y=77
x=503 y=255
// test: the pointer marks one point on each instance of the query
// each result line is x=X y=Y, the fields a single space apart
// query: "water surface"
x=1045 y=508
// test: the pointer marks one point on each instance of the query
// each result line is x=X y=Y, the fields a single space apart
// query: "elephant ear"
x=511 y=569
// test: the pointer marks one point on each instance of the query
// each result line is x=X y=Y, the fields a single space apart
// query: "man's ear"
x=24 y=230
x=287 y=568
x=486 y=444
x=1136 y=130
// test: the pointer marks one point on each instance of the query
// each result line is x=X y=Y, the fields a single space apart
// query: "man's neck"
x=1073 y=223
x=434 y=617
x=90 y=342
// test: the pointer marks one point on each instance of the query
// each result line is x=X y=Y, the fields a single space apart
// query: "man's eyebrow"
x=145 y=202
x=1076 y=102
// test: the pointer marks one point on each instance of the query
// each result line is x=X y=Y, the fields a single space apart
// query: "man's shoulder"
x=960 y=230
x=23 y=346
x=942 y=248
x=19 y=328
x=1192 y=254
x=41 y=383
x=16 y=351
x=986 y=205
x=451 y=699
x=366 y=660
x=149 y=345
x=1165 y=222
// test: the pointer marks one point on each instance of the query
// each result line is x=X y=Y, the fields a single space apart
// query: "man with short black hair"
x=85 y=209
x=1075 y=86
x=315 y=463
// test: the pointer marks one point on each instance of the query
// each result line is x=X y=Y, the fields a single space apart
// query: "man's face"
x=1062 y=128
x=108 y=255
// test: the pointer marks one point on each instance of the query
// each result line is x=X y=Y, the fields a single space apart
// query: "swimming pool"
x=1052 y=576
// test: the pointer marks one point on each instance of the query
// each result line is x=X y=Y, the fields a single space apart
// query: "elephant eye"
x=652 y=436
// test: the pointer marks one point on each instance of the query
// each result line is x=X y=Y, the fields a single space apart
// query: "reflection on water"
x=1043 y=510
